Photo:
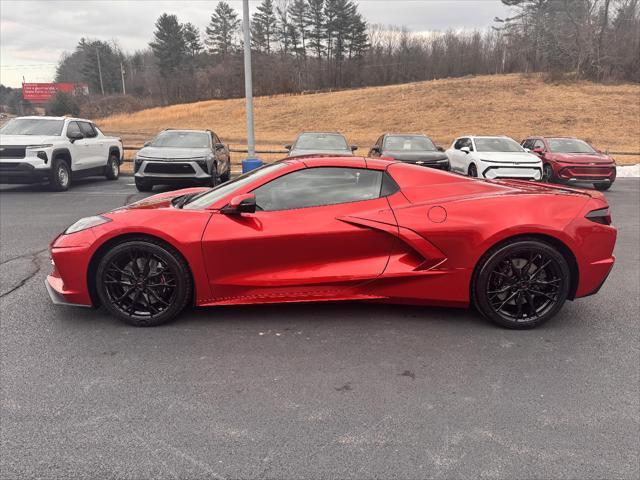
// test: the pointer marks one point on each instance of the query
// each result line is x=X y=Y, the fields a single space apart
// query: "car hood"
x=598 y=158
x=24 y=140
x=161 y=200
x=173 y=153
x=511 y=157
x=412 y=157
x=335 y=153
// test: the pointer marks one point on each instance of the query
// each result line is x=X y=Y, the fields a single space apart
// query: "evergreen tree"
x=298 y=25
x=315 y=19
x=222 y=30
x=192 y=39
x=168 y=45
x=357 y=37
x=264 y=26
x=284 y=29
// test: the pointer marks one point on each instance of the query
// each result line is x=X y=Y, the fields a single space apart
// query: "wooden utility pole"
x=100 y=71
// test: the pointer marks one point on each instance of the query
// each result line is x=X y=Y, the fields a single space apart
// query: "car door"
x=311 y=237
x=77 y=148
x=97 y=152
x=458 y=158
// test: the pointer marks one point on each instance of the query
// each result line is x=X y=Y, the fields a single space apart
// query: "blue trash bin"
x=249 y=164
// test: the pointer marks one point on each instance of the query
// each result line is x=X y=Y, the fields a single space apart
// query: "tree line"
x=310 y=45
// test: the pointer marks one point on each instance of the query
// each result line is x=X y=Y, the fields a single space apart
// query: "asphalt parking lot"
x=309 y=391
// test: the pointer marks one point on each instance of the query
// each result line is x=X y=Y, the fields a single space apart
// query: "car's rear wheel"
x=143 y=282
x=547 y=173
x=473 y=171
x=112 y=170
x=143 y=186
x=521 y=284
x=602 y=186
x=60 y=176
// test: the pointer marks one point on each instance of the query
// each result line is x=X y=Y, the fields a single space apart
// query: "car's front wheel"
x=143 y=186
x=521 y=284
x=60 y=176
x=547 y=173
x=143 y=282
x=473 y=171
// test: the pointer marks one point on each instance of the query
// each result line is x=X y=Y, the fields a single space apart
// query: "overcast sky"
x=34 y=33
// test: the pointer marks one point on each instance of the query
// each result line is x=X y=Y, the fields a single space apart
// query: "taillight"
x=602 y=216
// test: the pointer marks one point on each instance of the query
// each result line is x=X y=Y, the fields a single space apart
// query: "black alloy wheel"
x=473 y=171
x=143 y=282
x=547 y=173
x=521 y=284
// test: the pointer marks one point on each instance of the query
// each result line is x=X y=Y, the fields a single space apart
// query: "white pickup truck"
x=56 y=150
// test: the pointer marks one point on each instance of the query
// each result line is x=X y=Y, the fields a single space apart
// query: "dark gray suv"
x=182 y=156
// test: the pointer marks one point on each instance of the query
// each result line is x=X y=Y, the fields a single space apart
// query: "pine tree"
x=192 y=39
x=357 y=38
x=168 y=44
x=264 y=26
x=316 y=21
x=298 y=24
x=284 y=30
x=222 y=30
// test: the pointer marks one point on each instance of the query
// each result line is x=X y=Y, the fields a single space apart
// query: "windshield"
x=569 y=145
x=410 y=143
x=216 y=193
x=321 y=141
x=497 y=144
x=32 y=126
x=173 y=138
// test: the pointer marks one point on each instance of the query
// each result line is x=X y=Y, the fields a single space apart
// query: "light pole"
x=248 y=84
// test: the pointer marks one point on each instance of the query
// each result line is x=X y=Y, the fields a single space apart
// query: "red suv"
x=570 y=160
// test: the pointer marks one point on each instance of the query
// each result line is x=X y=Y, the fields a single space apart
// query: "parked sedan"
x=182 y=156
x=410 y=148
x=493 y=157
x=315 y=143
x=341 y=228
x=570 y=160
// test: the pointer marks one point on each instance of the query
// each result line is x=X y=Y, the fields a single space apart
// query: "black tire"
x=143 y=282
x=143 y=186
x=473 y=171
x=60 y=176
x=547 y=174
x=112 y=170
x=214 y=180
x=602 y=186
x=521 y=284
x=225 y=177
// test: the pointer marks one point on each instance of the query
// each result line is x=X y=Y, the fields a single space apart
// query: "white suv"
x=493 y=157
x=55 y=150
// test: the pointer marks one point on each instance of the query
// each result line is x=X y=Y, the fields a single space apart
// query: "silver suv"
x=182 y=156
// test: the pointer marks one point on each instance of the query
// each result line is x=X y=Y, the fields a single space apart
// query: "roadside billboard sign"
x=43 y=92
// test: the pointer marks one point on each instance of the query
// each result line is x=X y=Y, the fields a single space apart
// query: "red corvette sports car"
x=344 y=228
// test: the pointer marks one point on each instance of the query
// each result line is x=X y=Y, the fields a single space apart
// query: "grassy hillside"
x=514 y=105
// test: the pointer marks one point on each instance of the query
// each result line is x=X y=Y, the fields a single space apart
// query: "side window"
x=528 y=144
x=538 y=144
x=314 y=187
x=87 y=130
x=463 y=142
x=73 y=128
x=468 y=143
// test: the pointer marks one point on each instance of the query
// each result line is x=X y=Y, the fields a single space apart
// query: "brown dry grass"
x=606 y=115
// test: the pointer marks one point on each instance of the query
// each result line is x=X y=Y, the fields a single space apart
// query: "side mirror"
x=440 y=149
x=218 y=146
x=465 y=150
x=288 y=146
x=146 y=144
x=354 y=148
x=538 y=150
x=75 y=136
x=376 y=149
x=241 y=204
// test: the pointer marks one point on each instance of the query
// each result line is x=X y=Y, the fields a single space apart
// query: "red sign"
x=43 y=92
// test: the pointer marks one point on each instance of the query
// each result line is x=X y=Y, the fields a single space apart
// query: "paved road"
x=309 y=391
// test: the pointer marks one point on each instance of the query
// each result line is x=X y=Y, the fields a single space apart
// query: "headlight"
x=87 y=222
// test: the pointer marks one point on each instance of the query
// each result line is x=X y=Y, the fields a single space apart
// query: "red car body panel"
x=419 y=245
x=578 y=167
